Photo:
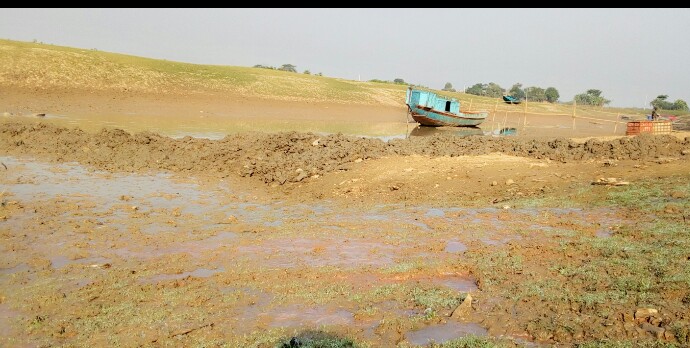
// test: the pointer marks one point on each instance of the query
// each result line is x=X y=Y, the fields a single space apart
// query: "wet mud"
x=112 y=238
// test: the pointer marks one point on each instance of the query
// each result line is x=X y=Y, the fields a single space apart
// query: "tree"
x=591 y=97
x=552 y=95
x=594 y=92
x=660 y=103
x=536 y=94
x=399 y=81
x=494 y=90
x=448 y=87
x=307 y=72
x=517 y=91
x=681 y=105
x=490 y=90
x=477 y=89
x=288 y=67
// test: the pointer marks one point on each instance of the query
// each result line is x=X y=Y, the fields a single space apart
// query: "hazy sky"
x=631 y=55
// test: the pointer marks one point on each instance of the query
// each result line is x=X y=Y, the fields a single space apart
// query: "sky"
x=631 y=55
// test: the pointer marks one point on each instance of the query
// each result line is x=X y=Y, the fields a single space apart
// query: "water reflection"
x=421 y=131
x=217 y=126
x=465 y=131
x=505 y=131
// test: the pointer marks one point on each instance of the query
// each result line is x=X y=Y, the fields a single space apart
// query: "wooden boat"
x=429 y=109
x=509 y=99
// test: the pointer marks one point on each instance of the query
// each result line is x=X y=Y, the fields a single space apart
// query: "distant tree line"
x=494 y=90
x=660 y=103
x=397 y=81
x=284 y=67
x=592 y=97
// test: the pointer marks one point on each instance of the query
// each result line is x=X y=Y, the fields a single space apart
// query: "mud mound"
x=293 y=156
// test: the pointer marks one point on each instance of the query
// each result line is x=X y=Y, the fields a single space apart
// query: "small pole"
x=470 y=105
x=615 y=127
x=524 y=115
x=574 y=106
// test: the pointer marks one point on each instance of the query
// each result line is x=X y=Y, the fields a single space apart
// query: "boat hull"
x=434 y=118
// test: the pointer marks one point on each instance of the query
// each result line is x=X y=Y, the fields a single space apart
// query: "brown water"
x=444 y=332
x=217 y=126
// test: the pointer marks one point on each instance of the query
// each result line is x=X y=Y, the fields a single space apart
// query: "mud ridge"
x=293 y=156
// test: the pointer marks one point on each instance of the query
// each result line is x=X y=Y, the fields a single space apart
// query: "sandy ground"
x=138 y=239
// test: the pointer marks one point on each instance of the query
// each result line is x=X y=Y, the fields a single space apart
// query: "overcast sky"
x=631 y=55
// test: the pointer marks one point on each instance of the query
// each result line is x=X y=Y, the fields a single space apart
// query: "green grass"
x=625 y=344
x=42 y=65
x=433 y=300
x=642 y=264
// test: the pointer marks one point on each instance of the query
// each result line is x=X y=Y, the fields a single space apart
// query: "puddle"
x=460 y=284
x=8 y=317
x=197 y=273
x=22 y=267
x=434 y=212
x=195 y=248
x=295 y=316
x=604 y=233
x=257 y=301
x=504 y=131
x=70 y=180
x=497 y=242
x=444 y=332
x=322 y=252
x=159 y=227
x=455 y=246
x=376 y=217
x=58 y=262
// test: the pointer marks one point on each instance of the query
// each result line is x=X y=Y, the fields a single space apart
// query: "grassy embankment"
x=41 y=66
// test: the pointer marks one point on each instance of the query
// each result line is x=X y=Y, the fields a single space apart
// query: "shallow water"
x=444 y=332
x=296 y=316
x=217 y=126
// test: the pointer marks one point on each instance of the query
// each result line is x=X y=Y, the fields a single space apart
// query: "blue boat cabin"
x=429 y=99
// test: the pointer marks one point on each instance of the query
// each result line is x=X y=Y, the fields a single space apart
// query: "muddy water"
x=443 y=332
x=217 y=126
x=269 y=264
